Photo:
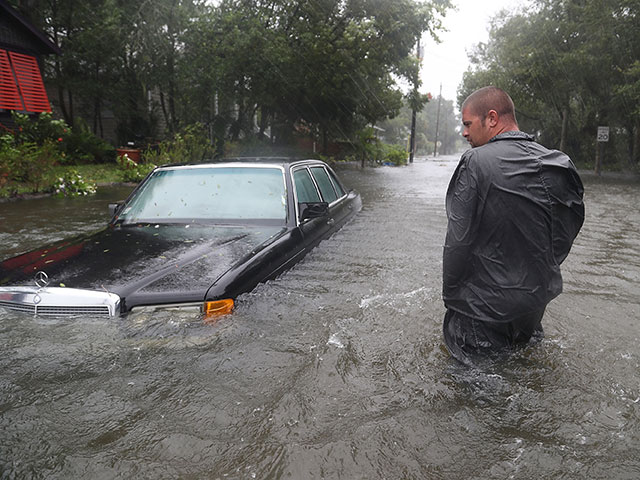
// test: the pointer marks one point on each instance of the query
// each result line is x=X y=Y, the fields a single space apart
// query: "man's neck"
x=505 y=127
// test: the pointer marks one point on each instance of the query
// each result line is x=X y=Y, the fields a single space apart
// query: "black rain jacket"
x=514 y=208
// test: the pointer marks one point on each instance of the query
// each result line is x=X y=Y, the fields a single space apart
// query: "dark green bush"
x=76 y=146
x=39 y=130
x=190 y=145
x=395 y=154
x=82 y=147
x=28 y=163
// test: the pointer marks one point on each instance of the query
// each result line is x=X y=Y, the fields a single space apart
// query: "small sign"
x=603 y=134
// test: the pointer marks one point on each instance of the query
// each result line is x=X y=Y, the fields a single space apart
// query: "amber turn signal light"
x=218 y=307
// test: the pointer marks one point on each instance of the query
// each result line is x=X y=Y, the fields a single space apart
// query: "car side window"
x=336 y=184
x=324 y=182
x=305 y=188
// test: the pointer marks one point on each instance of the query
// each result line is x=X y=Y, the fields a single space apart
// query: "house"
x=21 y=49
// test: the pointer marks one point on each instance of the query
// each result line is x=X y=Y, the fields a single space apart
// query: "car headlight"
x=212 y=309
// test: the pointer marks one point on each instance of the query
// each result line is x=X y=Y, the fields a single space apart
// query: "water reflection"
x=27 y=224
x=337 y=369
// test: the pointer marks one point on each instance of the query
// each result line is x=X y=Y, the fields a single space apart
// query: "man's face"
x=476 y=130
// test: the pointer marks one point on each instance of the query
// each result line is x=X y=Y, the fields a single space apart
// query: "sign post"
x=601 y=138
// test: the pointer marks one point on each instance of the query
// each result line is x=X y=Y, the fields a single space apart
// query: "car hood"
x=141 y=259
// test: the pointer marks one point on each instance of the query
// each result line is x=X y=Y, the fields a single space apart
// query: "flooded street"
x=337 y=369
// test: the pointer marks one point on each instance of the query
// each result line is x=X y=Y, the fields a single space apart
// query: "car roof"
x=267 y=161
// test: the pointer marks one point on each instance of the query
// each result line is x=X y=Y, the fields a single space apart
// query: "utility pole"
x=412 y=142
x=412 y=139
x=435 y=144
x=443 y=150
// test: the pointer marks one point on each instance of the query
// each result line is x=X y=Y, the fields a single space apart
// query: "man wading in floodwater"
x=514 y=208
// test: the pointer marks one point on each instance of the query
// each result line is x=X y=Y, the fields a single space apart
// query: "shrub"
x=72 y=185
x=395 y=154
x=80 y=146
x=132 y=171
x=367 y=146
x=76 y=146
x=371 y=149
x=28 y=163
x=40 y=130
x=189 y=145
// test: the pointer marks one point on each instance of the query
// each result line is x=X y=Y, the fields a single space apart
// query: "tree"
x=90 y=37
x=326 y=65
x=241 y=67
x=396 y=130
x=567 y=64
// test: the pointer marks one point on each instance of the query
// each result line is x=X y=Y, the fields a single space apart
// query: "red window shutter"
x=9 y=95
x=30 y=82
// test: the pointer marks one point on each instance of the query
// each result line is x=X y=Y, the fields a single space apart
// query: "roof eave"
x=48 y=45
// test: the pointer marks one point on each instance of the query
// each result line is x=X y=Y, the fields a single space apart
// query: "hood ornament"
x=41 y=279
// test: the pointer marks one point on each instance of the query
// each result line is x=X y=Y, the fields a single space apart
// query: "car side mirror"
x=313 y=210
x=114 y=207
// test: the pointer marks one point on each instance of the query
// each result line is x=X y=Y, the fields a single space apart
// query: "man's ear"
x=492 y=117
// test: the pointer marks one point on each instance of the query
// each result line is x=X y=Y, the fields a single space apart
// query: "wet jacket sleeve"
x=567 y=199
x=462 y=203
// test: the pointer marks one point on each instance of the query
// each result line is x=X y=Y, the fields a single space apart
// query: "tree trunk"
x=100 y=124
x=165 y=113
x=58 y=69
x=563 y=131
x=412 y=139
x=635 y=149
x=264 y=117
x=598 y=162
x=70 y=122
x=325 y=141
x=96 y=112
x=63 y=106
x=172 y=108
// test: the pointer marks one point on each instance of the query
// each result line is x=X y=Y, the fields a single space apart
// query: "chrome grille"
x=58 y=301
x=65 y=311
x=18 y=307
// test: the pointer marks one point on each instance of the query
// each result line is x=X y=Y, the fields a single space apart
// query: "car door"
x=332 y=193
x=306 y=191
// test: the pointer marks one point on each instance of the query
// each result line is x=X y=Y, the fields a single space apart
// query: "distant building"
x=21 y=48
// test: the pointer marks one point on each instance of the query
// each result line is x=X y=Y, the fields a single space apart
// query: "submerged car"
x=189 y=236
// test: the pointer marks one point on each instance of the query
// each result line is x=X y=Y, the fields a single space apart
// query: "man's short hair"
x=490 y=98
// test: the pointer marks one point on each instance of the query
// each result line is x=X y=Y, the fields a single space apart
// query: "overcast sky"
x=446 y=62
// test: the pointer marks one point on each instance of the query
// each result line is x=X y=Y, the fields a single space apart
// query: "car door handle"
x=331 y=221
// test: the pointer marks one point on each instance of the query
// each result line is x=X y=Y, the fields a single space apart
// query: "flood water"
x=337 y=369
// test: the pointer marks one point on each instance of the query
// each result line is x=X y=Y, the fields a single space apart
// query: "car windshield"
x=210 y=194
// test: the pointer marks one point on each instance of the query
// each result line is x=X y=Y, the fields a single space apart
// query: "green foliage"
x=72 y=184
x=438 y=113
x=132 y=171
x=27 y=163
x=43 y=128
x=395 y=154
x=416 y=100
x=629 y=91
x=570 y=67
x=330 y=64
x=82 y=147
x=366 y=146
x=103 y=173
x=190 y=145
x=75 y=146
x=6 y=142
x=369 y=149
